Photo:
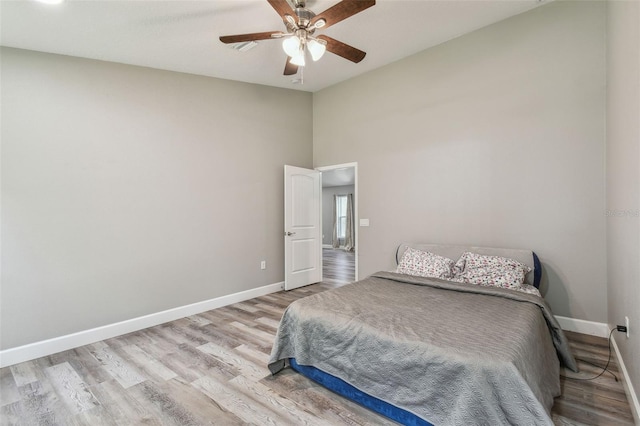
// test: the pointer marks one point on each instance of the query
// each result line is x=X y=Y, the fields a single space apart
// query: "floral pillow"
x=425 y=264
x=529 y=289
x=494 y=271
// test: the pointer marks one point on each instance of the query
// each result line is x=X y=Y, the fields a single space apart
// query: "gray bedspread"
x=452 y=354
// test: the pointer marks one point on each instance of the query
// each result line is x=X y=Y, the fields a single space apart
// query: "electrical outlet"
x=626 y=323
x=263 y=264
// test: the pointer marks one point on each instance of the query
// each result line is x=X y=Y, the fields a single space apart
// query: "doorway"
x=339 y=220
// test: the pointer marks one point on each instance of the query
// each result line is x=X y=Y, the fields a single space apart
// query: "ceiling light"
x=316 y=48
x=298 y=59
x=291 y=46
x=50 y=1
x=296 y=45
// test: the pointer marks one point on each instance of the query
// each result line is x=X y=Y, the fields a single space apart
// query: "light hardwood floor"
x=211 y=369
x=338 y=265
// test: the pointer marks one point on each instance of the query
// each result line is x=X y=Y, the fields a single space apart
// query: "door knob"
x=288 y=234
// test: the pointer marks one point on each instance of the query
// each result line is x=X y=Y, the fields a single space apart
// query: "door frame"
x=356 y=218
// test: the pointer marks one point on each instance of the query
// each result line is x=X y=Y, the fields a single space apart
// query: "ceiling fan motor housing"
x=304 y=16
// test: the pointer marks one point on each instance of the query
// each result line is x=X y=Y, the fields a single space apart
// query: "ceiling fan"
x=301 y=25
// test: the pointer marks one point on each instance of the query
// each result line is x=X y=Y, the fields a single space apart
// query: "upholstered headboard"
x=527 y=257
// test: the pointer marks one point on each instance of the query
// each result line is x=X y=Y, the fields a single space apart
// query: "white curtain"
x=343 y=230
x=350 y=237
x=335 y=242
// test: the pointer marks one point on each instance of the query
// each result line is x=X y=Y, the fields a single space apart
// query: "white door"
x=302 y=233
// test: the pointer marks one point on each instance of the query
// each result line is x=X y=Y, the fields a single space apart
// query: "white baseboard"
x=327 y=246
x=628 y=386
x=51 y=346
x=591 y=328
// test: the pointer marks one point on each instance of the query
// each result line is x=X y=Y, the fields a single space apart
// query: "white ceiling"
x=183 y=35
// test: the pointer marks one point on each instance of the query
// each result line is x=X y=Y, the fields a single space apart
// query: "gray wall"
x=327 y=208
x=127 y=191
x=495 y=138
x=623 y=177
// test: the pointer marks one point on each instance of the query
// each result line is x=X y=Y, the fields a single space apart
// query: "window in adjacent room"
x=341 y=216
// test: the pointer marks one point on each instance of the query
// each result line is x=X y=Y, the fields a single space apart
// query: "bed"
x=424 y=350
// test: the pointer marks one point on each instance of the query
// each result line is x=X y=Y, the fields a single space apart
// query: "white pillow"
x=494 y=271
x=425 y=264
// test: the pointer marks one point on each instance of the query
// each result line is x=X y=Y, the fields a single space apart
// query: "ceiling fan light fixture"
x=298 y=59
x=291 y=46
x=316 y=48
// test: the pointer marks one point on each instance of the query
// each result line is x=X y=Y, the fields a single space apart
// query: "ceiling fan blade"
x=289 y=68
x=282 y=7
x=341 y=49
x=238 y=38
x=341 y=11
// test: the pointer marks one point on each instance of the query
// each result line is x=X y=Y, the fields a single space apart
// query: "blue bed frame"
x=343 y=388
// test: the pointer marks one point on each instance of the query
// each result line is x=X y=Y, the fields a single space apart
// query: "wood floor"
x=338 y=265
x=211 y=369
x=601 y=401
